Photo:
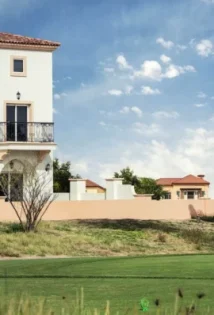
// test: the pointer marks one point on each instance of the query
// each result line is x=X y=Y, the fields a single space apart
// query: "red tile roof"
x=166 y=181
x=8 y=38
x=187 y=180
x=91 y=184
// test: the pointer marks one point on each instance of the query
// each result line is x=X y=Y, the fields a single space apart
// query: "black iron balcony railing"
x=26 y=132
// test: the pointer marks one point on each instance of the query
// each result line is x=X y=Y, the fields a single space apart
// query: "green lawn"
x=123 y=281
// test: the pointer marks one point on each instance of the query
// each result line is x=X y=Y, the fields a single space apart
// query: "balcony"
x=26 y=132
x=26 y=136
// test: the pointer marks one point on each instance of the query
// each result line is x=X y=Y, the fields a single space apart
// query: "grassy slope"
x=126 y=284
x=108 y=238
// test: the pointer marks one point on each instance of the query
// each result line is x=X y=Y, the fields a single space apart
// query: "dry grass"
x=107 y=238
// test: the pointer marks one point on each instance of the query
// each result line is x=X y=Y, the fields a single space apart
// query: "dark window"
x=190 y=195
x=18 y=65
x=3 y=184
x=168 y=196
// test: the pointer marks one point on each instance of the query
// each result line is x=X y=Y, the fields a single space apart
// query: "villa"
x=188 y=187
x=26 y=105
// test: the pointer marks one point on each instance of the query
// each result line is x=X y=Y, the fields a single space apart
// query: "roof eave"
x=206 y=183
x=16 y=46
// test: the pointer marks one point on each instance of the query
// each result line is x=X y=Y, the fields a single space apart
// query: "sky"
x=133 y=82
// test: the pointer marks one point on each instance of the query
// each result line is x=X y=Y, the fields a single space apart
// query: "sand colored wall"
x=119 y=209
x=97 y=190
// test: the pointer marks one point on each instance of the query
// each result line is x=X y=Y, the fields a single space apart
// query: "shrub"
x=162 y=237
x=196 y=236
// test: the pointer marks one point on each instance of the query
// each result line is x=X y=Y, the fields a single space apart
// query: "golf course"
x=123 y=281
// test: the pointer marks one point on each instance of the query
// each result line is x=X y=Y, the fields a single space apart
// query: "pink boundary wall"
x=119 y=209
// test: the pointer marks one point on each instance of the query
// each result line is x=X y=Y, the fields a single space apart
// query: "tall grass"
x=26 y=306
x=107 y=238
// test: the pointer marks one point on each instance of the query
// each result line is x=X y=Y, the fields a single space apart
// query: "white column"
x=77 y=187
x=1 y=166
x=111 y=188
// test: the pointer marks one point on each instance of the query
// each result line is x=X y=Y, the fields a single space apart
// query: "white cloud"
x=201 y=95
x=212 y=97
x=125 y=110
x=137 y=111
x=146 y=130
x=147 y=90
x=150 y=69
x=188 y=68
x=122 y=63
x=199 y=105
x=154 y=157
x=55 y=111
x=67 y=78
x=128 y=89
x=102 y=123
x=115 y=92
x=80 y=167
x=57 y=96
x=107 y=113
x=174 y=71
x=134 y=109
x=181 y=47
x=109 y=70
x=166 y=44
x=204 y=48
x=165 y=59
x=208 y=1
x=163 y=114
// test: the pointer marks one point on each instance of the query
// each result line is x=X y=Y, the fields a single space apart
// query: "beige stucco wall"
x=173 y=189
x=119 y=209
x=96 y=190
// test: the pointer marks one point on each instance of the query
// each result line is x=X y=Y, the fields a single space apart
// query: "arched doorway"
x=12 y=180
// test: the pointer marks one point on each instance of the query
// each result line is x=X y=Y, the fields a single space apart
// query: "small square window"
x=18 y=65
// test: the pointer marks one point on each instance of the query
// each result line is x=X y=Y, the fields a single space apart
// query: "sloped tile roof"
x=91 y=184
x=187 y=180
x=166 y=181
x=9 y=38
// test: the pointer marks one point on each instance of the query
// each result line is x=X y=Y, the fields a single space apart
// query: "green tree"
x=149 y=186
x=129 y=178
x=142 y=185
x=61 y=175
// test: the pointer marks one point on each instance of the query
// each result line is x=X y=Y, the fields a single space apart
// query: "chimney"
x=201 y=176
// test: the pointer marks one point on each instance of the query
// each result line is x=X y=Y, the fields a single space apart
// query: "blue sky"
x=133 y=82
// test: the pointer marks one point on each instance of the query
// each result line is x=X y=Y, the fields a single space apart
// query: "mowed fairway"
x=122 y=281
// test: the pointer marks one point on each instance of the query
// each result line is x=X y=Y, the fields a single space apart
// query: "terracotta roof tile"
x=89 y=184
x=9 y=38
x=191 y=179
x=166 y=181
x=187 y=180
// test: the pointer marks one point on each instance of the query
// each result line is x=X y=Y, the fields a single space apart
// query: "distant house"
x=92 y=187
x=188 y=187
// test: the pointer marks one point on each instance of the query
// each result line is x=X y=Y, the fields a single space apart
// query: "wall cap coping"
x=77 y=180
x=114 y=179
x=144 y=194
